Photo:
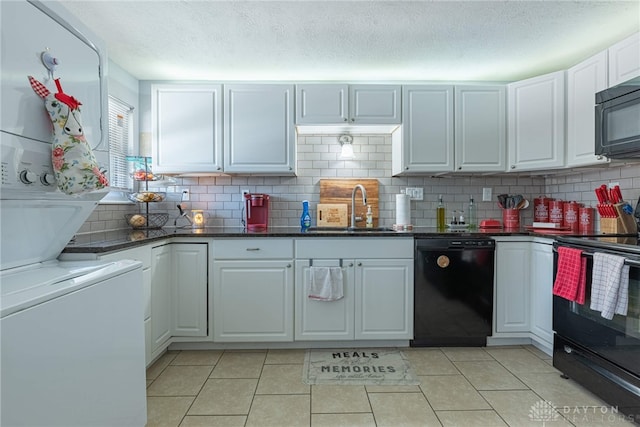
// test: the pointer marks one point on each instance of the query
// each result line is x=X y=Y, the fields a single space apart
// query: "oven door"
x=616 y=340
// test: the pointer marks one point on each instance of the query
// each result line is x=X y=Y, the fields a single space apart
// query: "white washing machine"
x=71 y=333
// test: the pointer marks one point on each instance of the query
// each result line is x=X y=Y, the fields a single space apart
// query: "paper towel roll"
x=403 y=209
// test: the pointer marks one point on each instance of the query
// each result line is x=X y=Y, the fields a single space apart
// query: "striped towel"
x=571 y=276
x=609 y=285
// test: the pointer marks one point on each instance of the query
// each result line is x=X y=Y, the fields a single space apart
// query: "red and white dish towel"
x=609 y=285
x=571 y=276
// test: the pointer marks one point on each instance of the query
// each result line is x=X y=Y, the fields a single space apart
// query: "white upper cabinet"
x=480 y=128
x=536 y=122
x=187 y=128
x=259 y=133
x=434 y=139
x=426 y=144
x=375 y=104
x=323 y=104
x=624 y=60
x=584 y=80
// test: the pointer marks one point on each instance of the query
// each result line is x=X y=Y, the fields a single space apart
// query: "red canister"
x=585 y=220
x=555 y=211
x=570 y=215
x=511 y=218
x=541 y=209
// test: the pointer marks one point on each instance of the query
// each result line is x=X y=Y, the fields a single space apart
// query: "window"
x=120 y=144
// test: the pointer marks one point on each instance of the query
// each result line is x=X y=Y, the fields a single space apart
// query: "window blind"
x=120 y=144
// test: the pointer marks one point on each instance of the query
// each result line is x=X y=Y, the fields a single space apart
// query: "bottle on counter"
x=440 y=214
x=472 y=215
x=305 y=218
x=461 y=218
x=369 y=217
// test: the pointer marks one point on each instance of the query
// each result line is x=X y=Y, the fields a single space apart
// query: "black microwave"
x=618 y=121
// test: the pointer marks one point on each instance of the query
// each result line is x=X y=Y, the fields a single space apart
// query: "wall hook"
x=49 y=62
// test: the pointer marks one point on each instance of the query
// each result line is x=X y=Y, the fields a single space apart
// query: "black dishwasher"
x=453 y=291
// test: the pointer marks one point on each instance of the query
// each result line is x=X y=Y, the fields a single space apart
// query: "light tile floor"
x=493 y=386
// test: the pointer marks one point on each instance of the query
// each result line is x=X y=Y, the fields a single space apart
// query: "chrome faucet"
x=353 y=202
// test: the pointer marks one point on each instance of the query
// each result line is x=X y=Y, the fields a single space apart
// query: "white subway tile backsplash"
x=318 y=157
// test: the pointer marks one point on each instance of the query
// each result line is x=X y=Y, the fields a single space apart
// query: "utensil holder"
x=511 y=218
x=623 y=224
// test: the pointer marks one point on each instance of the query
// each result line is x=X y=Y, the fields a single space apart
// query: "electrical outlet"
x=244 y=191
x=415 y=193
x=185 y=195
x=486 y=194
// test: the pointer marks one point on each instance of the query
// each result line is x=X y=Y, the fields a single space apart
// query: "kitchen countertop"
x=106 y=241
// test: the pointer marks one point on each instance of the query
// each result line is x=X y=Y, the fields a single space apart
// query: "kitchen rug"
x=387 y=366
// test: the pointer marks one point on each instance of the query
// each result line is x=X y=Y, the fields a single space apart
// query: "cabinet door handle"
x=359 y=264
x=253 y=249
x=353 y=120
x=288 y=265
x=350 y=264
x=513 y=166
x=345 y=119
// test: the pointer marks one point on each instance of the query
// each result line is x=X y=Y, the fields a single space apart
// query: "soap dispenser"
x=305 y=218
x=369 y=223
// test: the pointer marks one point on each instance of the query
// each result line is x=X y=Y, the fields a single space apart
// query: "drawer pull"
x=253 y=249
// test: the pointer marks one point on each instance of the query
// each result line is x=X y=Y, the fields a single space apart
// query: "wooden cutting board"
x=332 y=215
x=338 y=191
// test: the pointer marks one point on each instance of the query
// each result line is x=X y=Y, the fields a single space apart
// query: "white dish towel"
x=609 y=285
x=326 y=283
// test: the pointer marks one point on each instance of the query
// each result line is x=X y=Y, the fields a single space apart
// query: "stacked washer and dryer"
x=71 y=333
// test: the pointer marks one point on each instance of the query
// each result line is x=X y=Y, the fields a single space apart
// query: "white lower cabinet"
x=178 y=293
x=542 y=291
x=512 y=293
x=142 y=254
x=253 y=290
x=384 y=299
x=324 y=320
x=189 y=289
x=160 y=298
x=524 y=291
x=378 y=292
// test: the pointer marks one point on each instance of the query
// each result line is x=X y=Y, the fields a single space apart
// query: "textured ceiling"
x=353 y=40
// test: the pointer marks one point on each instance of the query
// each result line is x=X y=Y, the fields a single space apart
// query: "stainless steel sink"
x=349 y=230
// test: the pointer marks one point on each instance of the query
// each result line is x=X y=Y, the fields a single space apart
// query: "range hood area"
x=346 y=129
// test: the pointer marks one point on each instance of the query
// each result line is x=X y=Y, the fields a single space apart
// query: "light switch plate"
x=486 y=194
x=415 y=193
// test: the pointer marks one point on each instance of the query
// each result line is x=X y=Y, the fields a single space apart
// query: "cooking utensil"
x=515 y=200
x=524 y=203
x=502 y=200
